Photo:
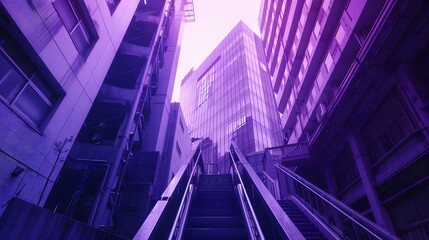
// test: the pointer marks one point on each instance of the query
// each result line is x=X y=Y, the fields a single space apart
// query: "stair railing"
x=180 y=219
x=171 y=210
x=348 y=223
x=253 y=227
x=272 y=185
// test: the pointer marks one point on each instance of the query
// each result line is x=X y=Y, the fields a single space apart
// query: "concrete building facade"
x=54 y=56
x=116 y=168
x=85 y=88
x=350 y=79
x=177 y=148
x=229 y=98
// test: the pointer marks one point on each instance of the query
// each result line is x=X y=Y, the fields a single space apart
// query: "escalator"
x=237 y=205
x=215 y=211
x=302 y=222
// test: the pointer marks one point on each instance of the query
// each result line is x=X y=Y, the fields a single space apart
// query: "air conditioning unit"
x=321 y=110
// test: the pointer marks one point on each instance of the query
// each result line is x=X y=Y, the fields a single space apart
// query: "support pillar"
x=357 y=146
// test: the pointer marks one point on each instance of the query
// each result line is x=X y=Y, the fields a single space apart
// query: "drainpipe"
x=110 y=183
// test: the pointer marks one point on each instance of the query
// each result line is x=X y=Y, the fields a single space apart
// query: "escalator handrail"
x=258 y=234
x=184 y=204
x=351 y=214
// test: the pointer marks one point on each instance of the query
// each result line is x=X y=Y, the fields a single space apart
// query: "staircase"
x=215 y=211
x=304 y=225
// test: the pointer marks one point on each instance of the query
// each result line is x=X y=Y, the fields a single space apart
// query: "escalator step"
x=215 y=222
x=214 y=212
x=214 y=204
x=215 y=233
x=301 y=221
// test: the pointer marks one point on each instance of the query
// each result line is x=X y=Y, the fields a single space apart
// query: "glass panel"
x=47 y=91
x=10 y=81
x=66 y=13
x=19 y=58
x=328 y=62
x=32 y=105
x=341 y=33
x=80 y=38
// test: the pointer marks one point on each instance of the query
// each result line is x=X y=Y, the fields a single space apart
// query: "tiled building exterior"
x=54 y=56
x=351 y=82
x=229 y=98
x=88 y=85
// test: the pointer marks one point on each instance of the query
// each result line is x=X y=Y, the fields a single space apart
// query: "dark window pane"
x=374 y=126
x=113 y=4
x=15 y=52
x=72 y=15
x=80 y=38
x=389 y=125
x=32 y=105
x=10 y=81
x=391 y=109
x=66 y=13
x=405 y=124
x=48 y=92
x=396 y=132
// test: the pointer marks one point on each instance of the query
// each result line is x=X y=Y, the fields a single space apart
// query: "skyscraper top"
x=229 y=98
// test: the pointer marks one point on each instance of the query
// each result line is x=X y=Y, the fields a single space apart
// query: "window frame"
x=13 y=33
x=112 y=5
x=84 y=23
x=384 y=137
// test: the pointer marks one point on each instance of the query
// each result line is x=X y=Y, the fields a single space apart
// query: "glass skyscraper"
x=229 y=98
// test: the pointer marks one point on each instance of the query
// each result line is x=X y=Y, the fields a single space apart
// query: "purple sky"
x=214 y=20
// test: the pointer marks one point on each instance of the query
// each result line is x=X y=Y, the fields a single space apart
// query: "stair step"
x=214 y=193
x=301 y=221
x=214 y=204
x=215 y=222
x=297 y=217
x=312 y=234
x=305 y=225
x=214 y=212
x=215 y=233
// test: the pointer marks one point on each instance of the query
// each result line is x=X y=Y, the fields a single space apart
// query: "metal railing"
x=285 y=152
x=180 y=219
x=347 y=223
x=171 y=210
x=273 y=221
x=272 y=185
x=291 y=154
x=253 y=227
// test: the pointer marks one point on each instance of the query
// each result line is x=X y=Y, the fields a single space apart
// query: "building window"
x=76 y=20
x=206 y=83
x=112 y=4
x=390 y=124
x=345 y=170
x=22 y=87
x=329 y=61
